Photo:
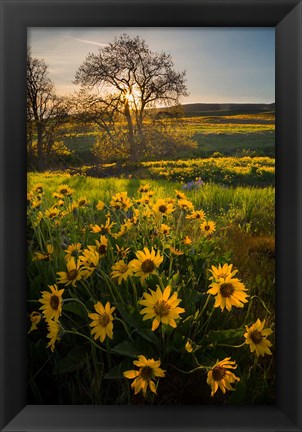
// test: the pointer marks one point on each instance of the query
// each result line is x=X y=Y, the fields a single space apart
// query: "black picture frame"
x=286 y=17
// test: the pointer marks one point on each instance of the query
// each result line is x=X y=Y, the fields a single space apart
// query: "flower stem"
x=188 y=372
x=231 y=346
x=77 y=301
x=74 y=332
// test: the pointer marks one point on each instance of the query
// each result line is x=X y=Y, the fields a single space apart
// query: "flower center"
x=226 y=289
x=54 y=302
x=72 y=274
x=256 y=336
x=148 y=266
x=52 y=215
x=39 y=190
x=197 y=216
x=102 y=249
x=104 y=320
x=146 y=372
x=161 y=308
x=207 y=227
x=218 y=373
x=123 y=268
x=162 y=208
x=81 y=203
x=63 y=191
x=104 y=230
x=34 y=316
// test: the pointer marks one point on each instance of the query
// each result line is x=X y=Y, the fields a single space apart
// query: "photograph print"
x=151 y=216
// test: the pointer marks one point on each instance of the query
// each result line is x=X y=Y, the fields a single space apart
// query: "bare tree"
x=45 y=111
x=135 y=78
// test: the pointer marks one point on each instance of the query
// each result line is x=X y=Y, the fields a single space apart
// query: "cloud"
x=87 y=41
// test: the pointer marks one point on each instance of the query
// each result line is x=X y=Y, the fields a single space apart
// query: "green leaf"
x=258 y=279
x=177 y=343
x=75 y=360
x=35 y=287
x=74 y=308
x=132 y=349
x=130 y=315
x=184 y=326
x=238 y=395
x=224 y=336
x=117 y=371
x=148 y=335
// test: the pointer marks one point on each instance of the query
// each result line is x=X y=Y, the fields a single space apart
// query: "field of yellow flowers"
x=139 y=292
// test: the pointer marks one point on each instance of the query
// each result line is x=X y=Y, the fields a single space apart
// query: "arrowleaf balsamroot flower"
x=256 y=338
x=208 y=227
x=82 y=202
x=222 y=272
x=185 y=205
x=52 y=303
x=89 y=259
x=149 y=370
x=221 y=377
x=38 y=188
x=102 y=245
x=101 y=324
x=146 y=188
x=100 y=205
x=180 y=195
x=196 y=214
x=54 y=331
x=229 y=292
x=165 y=229
x=187 y=241
x=176 y=252
x=65 y=190
x=74 y=273
x=188 y=346
x=73 y=250
x=52 y=213
x=35 y=318
x=163 y=207
x=146 y=263
x=40 y=256
x=103 y=229
x=122 y=252
x=160 y=307
x=121 y=201
x=120 y=271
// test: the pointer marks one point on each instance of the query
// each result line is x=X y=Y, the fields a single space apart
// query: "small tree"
x=132 y=78
x=45 y=111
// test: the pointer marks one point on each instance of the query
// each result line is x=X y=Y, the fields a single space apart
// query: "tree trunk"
x=140 y=131
x=40 y=161
x=133 y=148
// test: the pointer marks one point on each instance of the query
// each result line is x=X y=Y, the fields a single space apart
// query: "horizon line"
x=229 y=103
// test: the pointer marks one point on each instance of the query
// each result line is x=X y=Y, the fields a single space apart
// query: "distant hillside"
x=196 y=109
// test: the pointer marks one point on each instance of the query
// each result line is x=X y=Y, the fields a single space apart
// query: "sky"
x=223 y=65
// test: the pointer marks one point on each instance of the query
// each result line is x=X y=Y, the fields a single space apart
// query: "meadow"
x=239 y=134
x=152 y=291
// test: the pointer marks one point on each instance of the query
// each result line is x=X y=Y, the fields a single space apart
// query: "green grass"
x=262 y=143
x=215 y=199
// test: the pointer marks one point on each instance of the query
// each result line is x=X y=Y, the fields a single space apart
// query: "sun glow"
x=133 y=98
